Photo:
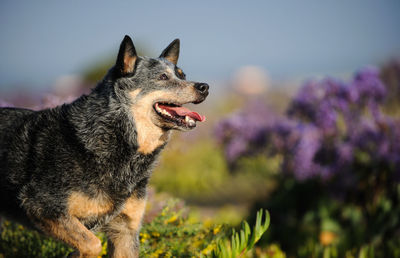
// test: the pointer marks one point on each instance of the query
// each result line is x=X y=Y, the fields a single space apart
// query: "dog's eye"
x=164 y=77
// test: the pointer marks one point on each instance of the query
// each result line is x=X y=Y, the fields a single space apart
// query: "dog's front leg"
x=73 y=232
x=123 y=230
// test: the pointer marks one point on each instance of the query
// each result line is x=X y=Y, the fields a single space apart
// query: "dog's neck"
x=149 y=136
x=106 y=129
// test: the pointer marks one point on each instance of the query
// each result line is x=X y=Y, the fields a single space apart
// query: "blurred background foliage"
x=323 y=159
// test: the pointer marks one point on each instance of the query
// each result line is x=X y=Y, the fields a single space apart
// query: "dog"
x=83 y=167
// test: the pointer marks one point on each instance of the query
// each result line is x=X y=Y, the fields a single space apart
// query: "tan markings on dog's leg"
x=123 y=231
x=134 y=210
x=82 y=206
x=75 y=234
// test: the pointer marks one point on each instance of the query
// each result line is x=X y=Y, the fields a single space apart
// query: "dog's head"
x=155 y=89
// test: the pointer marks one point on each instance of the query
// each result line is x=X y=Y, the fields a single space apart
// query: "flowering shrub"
x=17 y=241
x=329 y=126
x=340 y=164
x=170 y=234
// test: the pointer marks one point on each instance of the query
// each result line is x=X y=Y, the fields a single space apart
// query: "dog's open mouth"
x=181 y=116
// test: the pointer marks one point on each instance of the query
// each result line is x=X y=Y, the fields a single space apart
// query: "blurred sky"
x=42 y=40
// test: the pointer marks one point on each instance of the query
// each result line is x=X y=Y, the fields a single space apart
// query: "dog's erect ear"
x=127 y=57
x=171 y=53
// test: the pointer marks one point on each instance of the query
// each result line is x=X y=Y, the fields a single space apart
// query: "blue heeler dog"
x=84 y=167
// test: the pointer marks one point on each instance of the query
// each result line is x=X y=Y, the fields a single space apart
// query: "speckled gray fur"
x=88 y=146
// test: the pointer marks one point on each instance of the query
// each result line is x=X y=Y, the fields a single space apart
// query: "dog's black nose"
x=202 y=87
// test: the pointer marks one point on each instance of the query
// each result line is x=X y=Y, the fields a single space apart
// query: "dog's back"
x=12 y=122
x=10 y=118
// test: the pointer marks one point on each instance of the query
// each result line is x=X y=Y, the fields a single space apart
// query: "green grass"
x=199 y=175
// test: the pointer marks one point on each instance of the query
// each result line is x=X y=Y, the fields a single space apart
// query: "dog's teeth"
x=189 y=121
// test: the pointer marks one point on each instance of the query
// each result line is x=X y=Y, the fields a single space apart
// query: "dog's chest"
x=83 y=206
x=96 y=211
x=108 y=198
x=93 y=211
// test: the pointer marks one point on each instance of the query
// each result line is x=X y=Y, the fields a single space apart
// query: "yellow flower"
x=327 y=237
x=172 y=219
x=155 y=234
x=208 y=249
x=217 y=229
x=144 y=237
x=157 y=253
x=197 y=243
x=104 y=249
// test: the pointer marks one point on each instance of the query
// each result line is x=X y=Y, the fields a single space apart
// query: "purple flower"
x=326 y=117
x=304 y=153
x=235 y=148
x=332 y=128
x=304 y=104
x=244 y=132
x=367 y=86
x=284 y=135
x=345 y=152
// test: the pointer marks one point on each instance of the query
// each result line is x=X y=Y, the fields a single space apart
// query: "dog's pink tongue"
x=182 y=111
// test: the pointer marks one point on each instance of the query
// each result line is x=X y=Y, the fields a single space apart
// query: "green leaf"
x=240 y=242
